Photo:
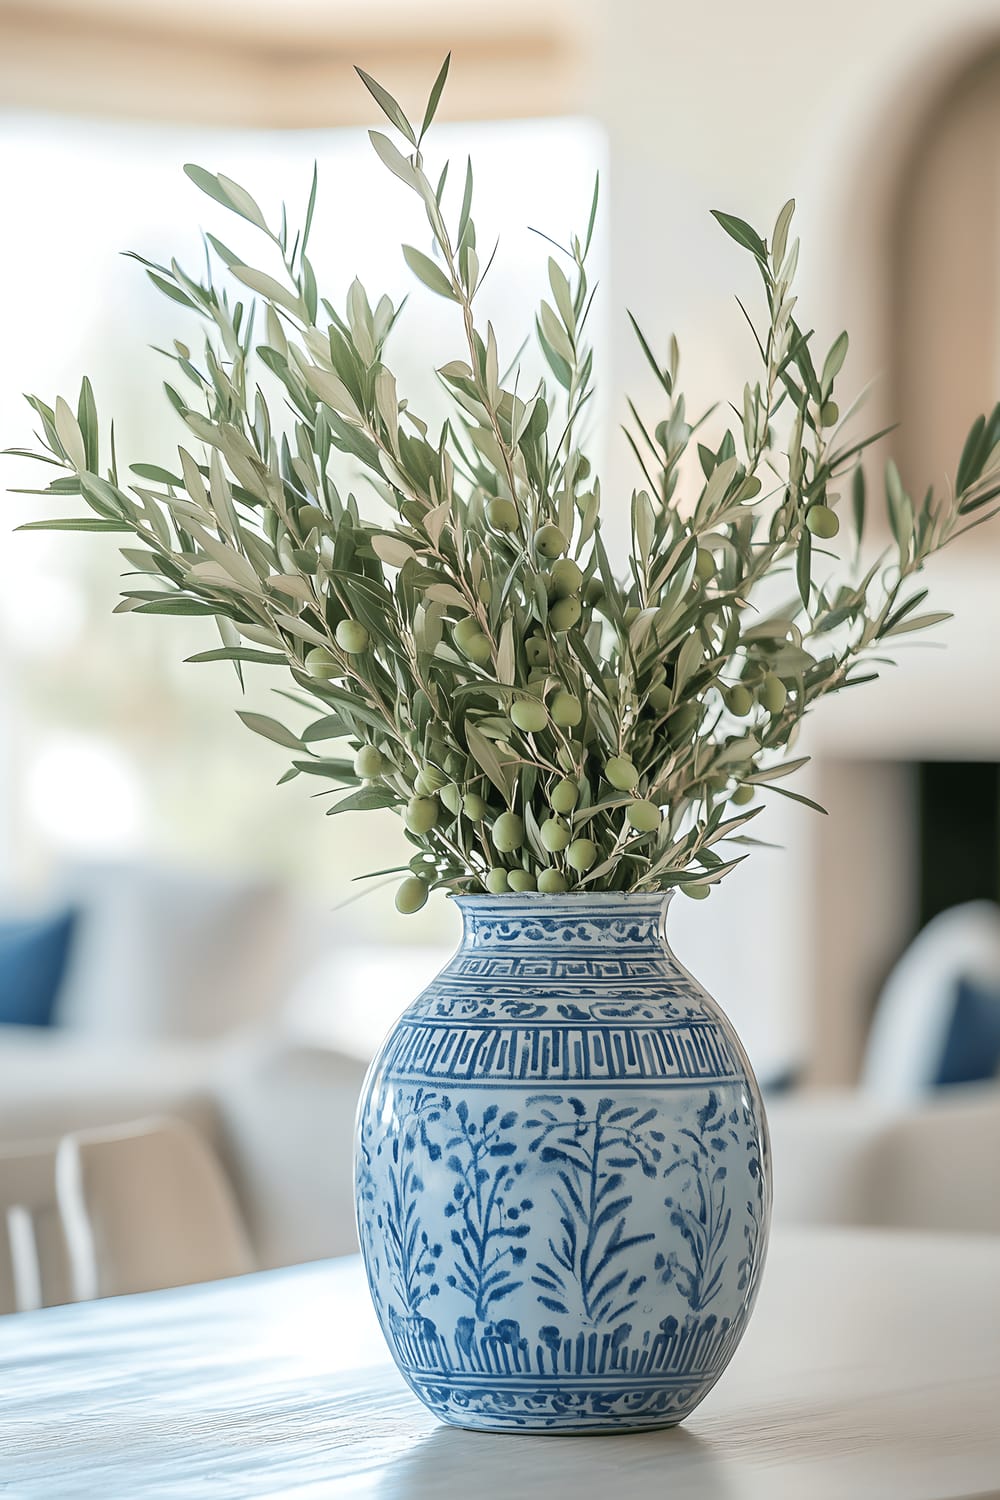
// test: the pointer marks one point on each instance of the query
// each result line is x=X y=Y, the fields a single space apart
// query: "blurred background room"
x=180 y=939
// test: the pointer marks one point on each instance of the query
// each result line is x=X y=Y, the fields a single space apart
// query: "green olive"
x=320 y=663
x=555 y=835
x=521 y=880
x=594 y=591
x=465 y=630
x=564 y=796
x=352 y=637
x=829 y=414
x=581 y=855
x=421 y=814
x=428 y=780
x=659 y=698
x=565 y=578
x=550 y=541
x=698 y=891
x=451 y=796
x=704 y=565
x=552 y=882
x=773 y=694
x=508 y=833
x=739 y=700
x=566 y=710
x=411 y=894
x=564 y=614
x=496 y=881
x=643 y=815
x=474 y=645
x=822 y=521
x=536 y=649
x=368 y=762
x=502 y=514
x=621 y=773
x=474 y=807
x=529 y=715
x=471 y=641
x=743 y=795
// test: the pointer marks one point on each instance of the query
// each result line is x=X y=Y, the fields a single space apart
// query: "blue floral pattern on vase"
x=563 y=1183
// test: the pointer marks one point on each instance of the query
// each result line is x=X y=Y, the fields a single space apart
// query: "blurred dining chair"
x=146 y=1206
x=35 y=1266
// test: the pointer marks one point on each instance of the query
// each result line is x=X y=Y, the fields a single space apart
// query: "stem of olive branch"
x=360 y=895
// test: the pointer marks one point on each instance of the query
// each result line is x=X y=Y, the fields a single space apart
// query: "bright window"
x=108 y=743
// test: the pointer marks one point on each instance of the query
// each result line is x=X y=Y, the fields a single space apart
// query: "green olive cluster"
x=770 y=692
x=557 y=858
x=560 y=850
x=565 y=589
x=451 y=803
x=353 y=640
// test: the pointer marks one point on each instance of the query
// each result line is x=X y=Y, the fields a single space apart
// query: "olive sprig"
x=471 y=654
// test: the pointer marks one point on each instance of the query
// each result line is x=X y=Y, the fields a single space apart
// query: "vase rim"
x=553 y=902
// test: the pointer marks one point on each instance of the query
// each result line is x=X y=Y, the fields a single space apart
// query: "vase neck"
x=582 y=922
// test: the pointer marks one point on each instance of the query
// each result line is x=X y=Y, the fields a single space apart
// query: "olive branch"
x=471 y=659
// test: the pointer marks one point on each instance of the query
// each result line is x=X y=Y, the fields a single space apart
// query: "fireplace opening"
x=958 y=835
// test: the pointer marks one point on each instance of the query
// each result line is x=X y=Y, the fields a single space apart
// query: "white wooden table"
x=871 y=1369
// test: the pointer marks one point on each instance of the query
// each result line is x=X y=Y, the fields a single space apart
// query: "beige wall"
x=741 y=106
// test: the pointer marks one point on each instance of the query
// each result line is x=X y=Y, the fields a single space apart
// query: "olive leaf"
x=426 y=271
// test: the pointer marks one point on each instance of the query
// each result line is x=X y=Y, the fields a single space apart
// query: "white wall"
x=740 y=107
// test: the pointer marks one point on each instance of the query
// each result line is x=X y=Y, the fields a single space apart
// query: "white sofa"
x=845 y=1158
x=279 y=1115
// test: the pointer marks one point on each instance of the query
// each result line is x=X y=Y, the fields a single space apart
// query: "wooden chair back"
x=147 y=1206
x=35 y=1261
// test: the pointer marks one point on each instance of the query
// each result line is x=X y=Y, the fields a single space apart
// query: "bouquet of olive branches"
x=471 y=658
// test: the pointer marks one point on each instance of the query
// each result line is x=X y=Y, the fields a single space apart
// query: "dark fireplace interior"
x=958 y=835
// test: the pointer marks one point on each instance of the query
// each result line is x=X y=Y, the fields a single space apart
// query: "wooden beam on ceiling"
x=209 y=66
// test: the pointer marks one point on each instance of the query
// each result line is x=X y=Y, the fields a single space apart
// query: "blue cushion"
x=971 y=1050
x=33 y=958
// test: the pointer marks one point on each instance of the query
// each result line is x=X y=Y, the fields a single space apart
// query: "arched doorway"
x=944 y=276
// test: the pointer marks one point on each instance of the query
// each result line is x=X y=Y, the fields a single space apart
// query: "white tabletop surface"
x=871 y=1369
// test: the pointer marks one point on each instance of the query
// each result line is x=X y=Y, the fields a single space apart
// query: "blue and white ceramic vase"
x=563 y=1184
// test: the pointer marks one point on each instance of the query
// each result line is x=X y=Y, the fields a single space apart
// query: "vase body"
x=562 y=1174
